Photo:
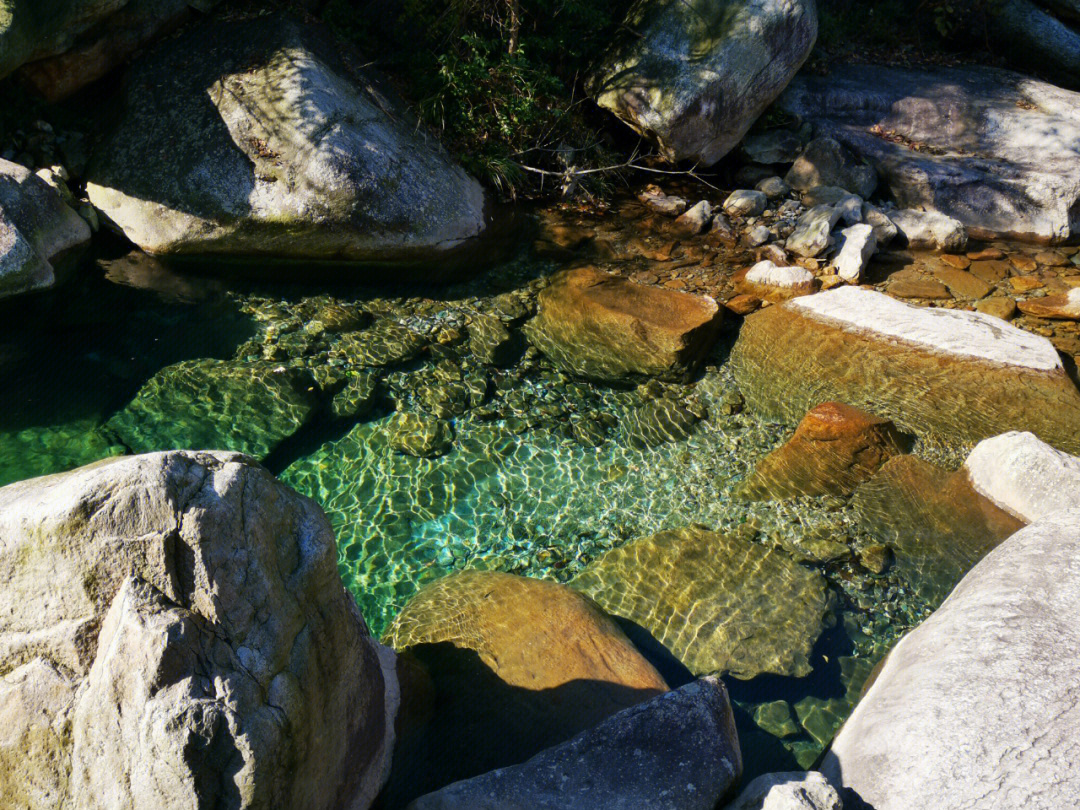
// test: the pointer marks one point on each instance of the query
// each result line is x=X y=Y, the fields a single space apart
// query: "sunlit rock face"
x=1024 y=476
x=693 y=76
x=606 y=328
x=256 y=138
x=998 y=151
x=174 y=634
x=513 y=665
x=977 y=706
x=960 y=375
x=719 y=603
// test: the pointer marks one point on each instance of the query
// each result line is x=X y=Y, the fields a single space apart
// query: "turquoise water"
x=544 y=472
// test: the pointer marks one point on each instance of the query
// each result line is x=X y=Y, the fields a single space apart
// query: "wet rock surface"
x=714 y=601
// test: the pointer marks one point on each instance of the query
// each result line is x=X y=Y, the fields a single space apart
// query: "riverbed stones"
x=694 y=77
x=37 y=228
x=977 y=706
x=827 y=162
x=491 y=342
x=835 y=448
x=271 y=144
x=961 y=375
x=175 y=634
x=795 y=790
x=719 y=603
x=1064 y=307
x=812 y=232
x=386 y=343
x=224 y=404
x=1026 y=477
x=998 y=151
x=607 y=328
x=418 y=434
x=678 y=751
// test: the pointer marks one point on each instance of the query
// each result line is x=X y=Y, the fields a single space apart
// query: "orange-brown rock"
x=607 y=328
x=515 y=665
x=835 y=448
x=1056 y=307
x=743 y=304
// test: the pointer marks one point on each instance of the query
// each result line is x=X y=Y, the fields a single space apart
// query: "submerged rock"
x=417 y=434
x=694 y=76
x=516 y=665
x=788 y=791
x=491 y=342
x=743 y=609
x=175 y=635
x=1065 y=307
x=37 y=228
x=607 y=328
x=834 y=449
x=678 y=751
x=225 y=404
x=356 y=397
x=977 y=706
x=998 y=151
x=658 y=422
x=960 y=375
x=270 y=144
x=386 y=343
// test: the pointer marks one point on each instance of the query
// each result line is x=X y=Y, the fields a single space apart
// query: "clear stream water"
x=520 y=490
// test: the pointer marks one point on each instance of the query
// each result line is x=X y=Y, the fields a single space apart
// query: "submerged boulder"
x=743 y=608
x=222 y=404
x=37 y=228
x=270 y=144
x=693 y=76
x=516 y=665
x=174 y=634
x=960 y=375
x=977 y=706
x=998 y=151
x=678 y=751
x=606 y=328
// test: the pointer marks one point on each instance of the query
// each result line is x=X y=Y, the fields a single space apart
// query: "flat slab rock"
x=999 y=151
x=604 y=327
x=961 y=375
x=678 y=751
x=977 y=707
x=718 y=603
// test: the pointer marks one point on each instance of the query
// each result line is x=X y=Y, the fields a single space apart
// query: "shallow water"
x=545 y=472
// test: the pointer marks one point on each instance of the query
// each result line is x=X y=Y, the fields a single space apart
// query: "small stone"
x=1051 y=258
x=930 y=230
x=1004 y=308
x=743 y=304
x=874 y=558
x=918 y=288
x=758 y=235
x=775 y=718
x=773 y=187
x=811 y=236
x=491 y=342
x=694 y=220
x=656 y=200
x=1023 y=284
x=885 y=229
x=959 y=261
x=1055 y=307
x=788 y=791
x=851 y=210
x=721 y=230
x=745 y=203
x=857 y=245
x=825 y=195
x=1023 y=263
x=776 y=283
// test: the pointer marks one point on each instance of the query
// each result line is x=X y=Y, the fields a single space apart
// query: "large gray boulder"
x=257 y=138
x=1031 y=37
x=997 y=151
x=693 y=75
x=36 y=228
x=174 y=635
x=978 y=707
x=32 y=29
x=678 y=751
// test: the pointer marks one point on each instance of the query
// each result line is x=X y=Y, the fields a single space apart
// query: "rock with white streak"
x=960 y=375
x=1024 y=475
x=977 y=707
x=694 y=220
x=174 y=634
x=1064 y=307
x=767 y=280
x=930 y=229
x=857 y=245
x=788 y=791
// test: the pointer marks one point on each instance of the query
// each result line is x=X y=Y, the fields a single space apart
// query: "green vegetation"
x=498 y=80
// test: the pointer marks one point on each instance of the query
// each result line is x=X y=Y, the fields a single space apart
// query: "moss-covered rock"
x=258 y=138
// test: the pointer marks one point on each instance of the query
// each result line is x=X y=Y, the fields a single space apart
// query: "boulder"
x=516 y=665
x=788 y=791
x=826 y=162
x=37 y=228
x=1026 y=477
x=857 y=245
x=1064 y=307
x=31 y=29
x=835 y=448
x=175 y=634
x=998 y=151
x=930 y=230
x=744 y=609
x=811 y=236
x=977 y=706
x=606 y=328
x=270 y=144
x=960 y=375
x=1030 y=37
x=224 y=404
x=693 y=76
x=678 y=751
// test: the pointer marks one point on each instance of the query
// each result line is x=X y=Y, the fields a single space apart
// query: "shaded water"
x=545 y=473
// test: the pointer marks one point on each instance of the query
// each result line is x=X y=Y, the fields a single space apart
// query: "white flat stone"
x=768 y=274
x=947 y=331
x=857 y=245
x=1024 y=475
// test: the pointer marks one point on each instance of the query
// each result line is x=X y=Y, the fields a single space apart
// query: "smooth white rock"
x=794 y=790
x=857 y=245
x=1024 y=475
x=948 y=331
x=768 y=274
x=930 y=229
x=979 y=707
